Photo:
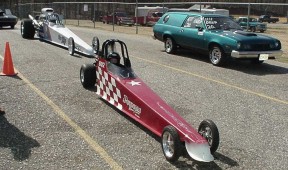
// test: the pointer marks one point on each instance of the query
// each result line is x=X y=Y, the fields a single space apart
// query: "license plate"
x=263 y=57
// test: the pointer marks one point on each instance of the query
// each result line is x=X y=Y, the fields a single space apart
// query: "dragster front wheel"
x=88 y=75
x=71 y=46
x=95 y=44
x=209 y=131
x=171 y=144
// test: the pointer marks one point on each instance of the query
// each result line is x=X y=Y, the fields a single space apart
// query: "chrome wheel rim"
x=22 y=28
x=215 y=55
x=168 y=144
x=168 y=45
x=82 y=76
x=70 y=46
x=206 y=132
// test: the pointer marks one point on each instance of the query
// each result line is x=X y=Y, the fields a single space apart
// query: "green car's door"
x=191 y=34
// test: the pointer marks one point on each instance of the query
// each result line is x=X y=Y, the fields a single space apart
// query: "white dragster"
x=49 y=27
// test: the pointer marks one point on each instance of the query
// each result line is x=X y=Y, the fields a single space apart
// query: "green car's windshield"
x=253 y=20
x=221 y=23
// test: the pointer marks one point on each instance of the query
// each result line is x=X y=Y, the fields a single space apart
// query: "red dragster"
x=117 y=83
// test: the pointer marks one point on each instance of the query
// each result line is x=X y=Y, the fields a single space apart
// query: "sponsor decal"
x=78 y=48
x=179 y=122
x=133 y=107
x=62 y=39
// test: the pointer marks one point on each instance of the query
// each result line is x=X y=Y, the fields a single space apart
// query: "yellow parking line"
x=92 y=143
x=113 y=164
x=216 y=81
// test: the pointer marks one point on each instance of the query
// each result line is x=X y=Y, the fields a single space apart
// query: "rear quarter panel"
x=171 y=27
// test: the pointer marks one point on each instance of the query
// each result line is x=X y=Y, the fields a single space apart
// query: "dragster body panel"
x=133 y=97
x=60 y=34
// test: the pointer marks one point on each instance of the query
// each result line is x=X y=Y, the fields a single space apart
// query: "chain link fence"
x=90 y=14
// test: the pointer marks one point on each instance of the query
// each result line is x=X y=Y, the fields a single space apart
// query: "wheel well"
x=166 y=36
x=212 y=44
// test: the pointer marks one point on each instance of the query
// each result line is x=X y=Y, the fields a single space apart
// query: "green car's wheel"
x=170 y=45
x=217 y=56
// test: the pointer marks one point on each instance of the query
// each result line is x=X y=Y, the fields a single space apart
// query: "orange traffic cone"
x=8 y=68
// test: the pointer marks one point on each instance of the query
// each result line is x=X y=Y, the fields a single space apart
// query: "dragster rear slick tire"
x=88 y=75
x=171 y=144
x=27 y=29
x=209 y=131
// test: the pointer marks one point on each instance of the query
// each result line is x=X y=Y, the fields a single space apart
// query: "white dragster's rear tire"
x=27 y=29
x=71 y=46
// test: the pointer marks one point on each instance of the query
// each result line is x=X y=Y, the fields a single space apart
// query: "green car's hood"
x=243 y=36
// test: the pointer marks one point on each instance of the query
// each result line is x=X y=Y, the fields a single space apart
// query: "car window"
x=222 y=23
x=193 y=21
x=8 y=12
x=166 y=18
x=120 y=14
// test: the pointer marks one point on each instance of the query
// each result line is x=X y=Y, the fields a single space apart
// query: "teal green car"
x=253 y=24
x=216 y=35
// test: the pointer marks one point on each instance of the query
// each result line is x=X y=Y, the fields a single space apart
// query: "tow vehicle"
x=119 y=18
x=49 y=27
x=148 y=15
x=117 y=83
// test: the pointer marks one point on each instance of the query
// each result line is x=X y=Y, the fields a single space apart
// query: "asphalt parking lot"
x=52 y=122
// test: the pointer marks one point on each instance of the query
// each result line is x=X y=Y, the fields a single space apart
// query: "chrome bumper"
x=255 y=54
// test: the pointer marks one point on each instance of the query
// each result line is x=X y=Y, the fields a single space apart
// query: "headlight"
x=277 y=43
x=238 y=45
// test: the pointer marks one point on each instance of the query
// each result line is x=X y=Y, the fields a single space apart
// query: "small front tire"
x=95 y=44
x=88 y=75
x=209 y=131
x=71 y=46
x=171 y=144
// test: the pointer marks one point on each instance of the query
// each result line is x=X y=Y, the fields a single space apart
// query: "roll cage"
x=109 y=46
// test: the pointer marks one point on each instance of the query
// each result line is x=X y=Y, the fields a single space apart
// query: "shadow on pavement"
x=11 y=137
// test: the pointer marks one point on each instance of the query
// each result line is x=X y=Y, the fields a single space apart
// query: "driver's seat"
x=114 y=58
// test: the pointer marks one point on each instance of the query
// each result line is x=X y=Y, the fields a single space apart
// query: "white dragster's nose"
x=199 y=152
